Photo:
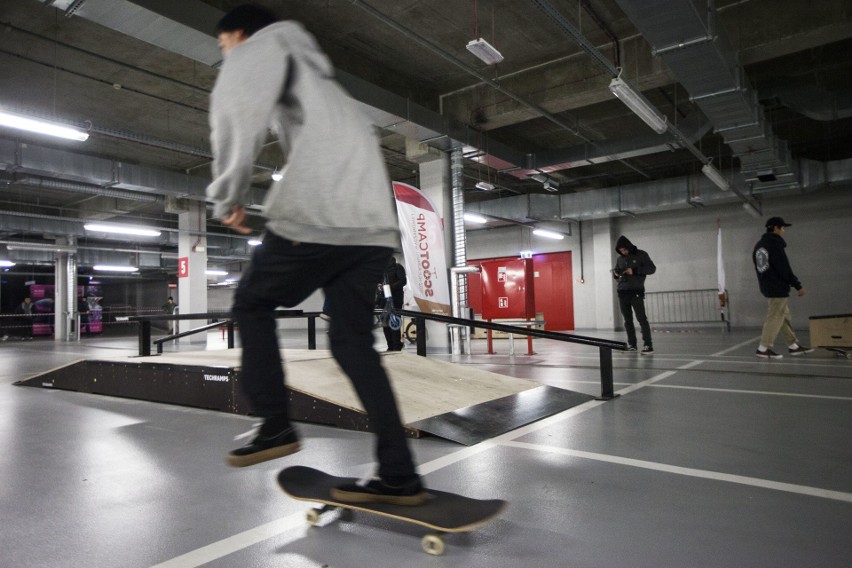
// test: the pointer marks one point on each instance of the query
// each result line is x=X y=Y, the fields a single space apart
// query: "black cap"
x=776 y=222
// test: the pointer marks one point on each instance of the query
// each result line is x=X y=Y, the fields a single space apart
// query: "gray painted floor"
x=709 y=458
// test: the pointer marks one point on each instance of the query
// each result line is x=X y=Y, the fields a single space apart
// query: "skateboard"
x=443 y=512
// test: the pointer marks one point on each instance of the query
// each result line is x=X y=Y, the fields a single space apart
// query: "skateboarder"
x=330 y=224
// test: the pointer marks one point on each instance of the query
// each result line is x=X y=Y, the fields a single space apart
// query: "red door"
x=554 y=289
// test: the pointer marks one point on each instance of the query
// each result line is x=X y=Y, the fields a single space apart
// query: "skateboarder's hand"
x=237 y=220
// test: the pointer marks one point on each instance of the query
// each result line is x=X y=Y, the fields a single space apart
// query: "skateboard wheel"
x=433 y=544
x=312 y=517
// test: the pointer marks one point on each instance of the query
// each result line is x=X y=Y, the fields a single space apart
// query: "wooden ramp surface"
x=457 y=402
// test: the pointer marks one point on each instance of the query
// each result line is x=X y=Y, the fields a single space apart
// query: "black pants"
x=630 y=302
x=284 y=273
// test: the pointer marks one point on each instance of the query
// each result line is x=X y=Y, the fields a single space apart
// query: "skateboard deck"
x=443 y=512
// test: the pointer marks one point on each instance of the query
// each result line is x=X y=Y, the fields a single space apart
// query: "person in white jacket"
x=330 y=224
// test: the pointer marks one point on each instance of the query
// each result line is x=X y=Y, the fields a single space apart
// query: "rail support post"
x=312 y=332
x=230 y=326
x=607 y=392
x=420 y=323
x=144 y=338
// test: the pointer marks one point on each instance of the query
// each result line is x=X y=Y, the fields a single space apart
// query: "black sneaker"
x=631 y=348
x=800 y=350
x=647 y=350
x=378 y=491
x=768 y=354
x=270 y=443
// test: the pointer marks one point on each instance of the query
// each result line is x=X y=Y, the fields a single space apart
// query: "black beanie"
x=247 y=17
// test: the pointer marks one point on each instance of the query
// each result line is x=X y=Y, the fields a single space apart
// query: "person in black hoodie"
x=394 y=277
x=631 y=268
x=775 y=278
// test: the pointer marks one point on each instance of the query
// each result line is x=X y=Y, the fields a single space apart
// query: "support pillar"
x=435 y=182
x=192 y=287
x=64 y=292
x=603 y=253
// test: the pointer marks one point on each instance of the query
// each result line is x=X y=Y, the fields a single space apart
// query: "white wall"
x=682 y=243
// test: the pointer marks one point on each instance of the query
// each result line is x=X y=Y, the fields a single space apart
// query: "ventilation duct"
x=687 y=37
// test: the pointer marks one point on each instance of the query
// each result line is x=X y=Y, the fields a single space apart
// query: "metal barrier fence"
x=42 y=324
x=688 y=307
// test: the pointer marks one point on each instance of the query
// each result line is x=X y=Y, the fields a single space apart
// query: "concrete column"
x=435 y=182
x=64 y=292
x=603 y=255
x=192 y=245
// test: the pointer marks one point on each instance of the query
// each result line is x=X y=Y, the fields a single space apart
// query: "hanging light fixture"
x=715 y=176
x=486 y=52
x=110 y=268
x=638 y=104
x=122 y=230
x=41 y=126
x=548 y=234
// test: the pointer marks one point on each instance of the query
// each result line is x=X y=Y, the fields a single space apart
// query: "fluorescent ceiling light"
x=215 y=272
x=42 y=127
x=474 y=218
x=639 y=105
x=484 y=51
x=254 y=242
x=6 y=263
x=108 y=268
x=121 y=230
x=484 y=186
x=548 y=234
x=44 y=247
x=277 y=175
x=716 y=177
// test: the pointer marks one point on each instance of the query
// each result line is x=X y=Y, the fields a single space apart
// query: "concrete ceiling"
x=138 y=73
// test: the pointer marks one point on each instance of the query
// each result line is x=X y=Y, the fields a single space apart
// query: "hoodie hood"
x=624 y=242
x=296 y=41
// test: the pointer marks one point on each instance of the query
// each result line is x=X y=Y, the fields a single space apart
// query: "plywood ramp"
x=454 y=401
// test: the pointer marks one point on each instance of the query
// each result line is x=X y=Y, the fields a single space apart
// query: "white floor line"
x=744 y=391
x=691 y=472
x=224 y=547
x=660 y=377
x=735 y=347
x=245 y=539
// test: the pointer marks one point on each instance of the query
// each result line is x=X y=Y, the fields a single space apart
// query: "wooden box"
x=831 y=331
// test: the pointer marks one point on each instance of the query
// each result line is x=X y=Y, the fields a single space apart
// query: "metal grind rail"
x=224 y=319
x=605 y=346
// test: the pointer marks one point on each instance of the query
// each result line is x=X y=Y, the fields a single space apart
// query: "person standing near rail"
x=631 y=268
x=775 y=278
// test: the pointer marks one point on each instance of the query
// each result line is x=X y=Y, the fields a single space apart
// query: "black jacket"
x=636 y=259
x=395 y=277
x=773 y=269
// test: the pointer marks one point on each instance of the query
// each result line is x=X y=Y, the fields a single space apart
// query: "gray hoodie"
x=335 y=188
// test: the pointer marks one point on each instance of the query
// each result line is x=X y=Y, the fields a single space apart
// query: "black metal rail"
x=606 y=346
x=224 y=320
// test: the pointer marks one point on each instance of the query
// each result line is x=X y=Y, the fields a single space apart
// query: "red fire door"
x=508 y=289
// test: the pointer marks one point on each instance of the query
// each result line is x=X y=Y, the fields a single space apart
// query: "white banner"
x=423 y=247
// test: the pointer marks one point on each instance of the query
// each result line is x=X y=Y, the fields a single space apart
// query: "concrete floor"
x=710 y=457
